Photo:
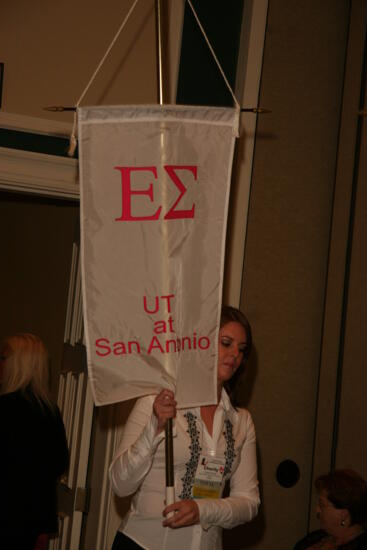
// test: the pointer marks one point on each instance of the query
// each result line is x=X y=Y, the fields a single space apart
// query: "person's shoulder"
x=12 y=400
x=243 y=412
x=50 y=411
x=244 y=416
x=26 y=405
x=243 y=425
x=310 y=539
x=361 y=541
x=16 y=413
x=10 y=397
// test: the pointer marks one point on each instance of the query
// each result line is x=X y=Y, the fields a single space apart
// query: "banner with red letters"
x=155 y=184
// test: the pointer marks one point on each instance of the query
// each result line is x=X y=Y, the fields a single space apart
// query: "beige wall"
x=287 y=246
x=342 y=374
x=51 y=50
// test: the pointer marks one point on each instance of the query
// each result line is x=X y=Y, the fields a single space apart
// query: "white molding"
x=23 y=123
x=83 y=460
x=39 y=174
x=106 y=491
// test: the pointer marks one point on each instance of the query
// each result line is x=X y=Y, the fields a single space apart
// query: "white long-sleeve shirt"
x=139 y=468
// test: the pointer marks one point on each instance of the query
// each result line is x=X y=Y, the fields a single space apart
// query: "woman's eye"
x=225 y=343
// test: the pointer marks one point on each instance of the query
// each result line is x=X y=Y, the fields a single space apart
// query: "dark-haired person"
x=219 y=439
x=342 y=511
x=33 y=452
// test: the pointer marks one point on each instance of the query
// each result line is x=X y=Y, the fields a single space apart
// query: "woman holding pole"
x=213 y=445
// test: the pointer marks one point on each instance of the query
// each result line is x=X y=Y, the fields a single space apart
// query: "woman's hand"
x=185 y=512
x=164 y=407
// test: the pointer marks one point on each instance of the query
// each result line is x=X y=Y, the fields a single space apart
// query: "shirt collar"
x=227 y=406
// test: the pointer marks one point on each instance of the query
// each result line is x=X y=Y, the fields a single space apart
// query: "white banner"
x=155 y=184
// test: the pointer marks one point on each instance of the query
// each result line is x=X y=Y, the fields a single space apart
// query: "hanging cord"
x=213 y=54
x=73 y=141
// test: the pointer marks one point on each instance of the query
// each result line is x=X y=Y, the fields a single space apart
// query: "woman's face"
x=232 y=345
x=329 y=516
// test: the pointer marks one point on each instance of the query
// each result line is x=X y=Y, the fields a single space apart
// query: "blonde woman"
x=34 y=451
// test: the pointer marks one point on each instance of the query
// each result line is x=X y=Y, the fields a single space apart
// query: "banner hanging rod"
x=256 y=110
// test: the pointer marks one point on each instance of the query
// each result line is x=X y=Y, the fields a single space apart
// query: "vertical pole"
x=170 y=484
x=158 y=15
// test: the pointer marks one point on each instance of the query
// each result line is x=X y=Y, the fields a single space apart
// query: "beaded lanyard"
x=195 y=450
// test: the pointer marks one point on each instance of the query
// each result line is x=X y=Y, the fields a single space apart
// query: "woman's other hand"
x=185 y=512
x=164 y=407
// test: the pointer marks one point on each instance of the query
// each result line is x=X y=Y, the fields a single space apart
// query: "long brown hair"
x=231 y=314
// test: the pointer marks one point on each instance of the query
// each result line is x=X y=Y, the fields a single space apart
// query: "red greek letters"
x=128 y=192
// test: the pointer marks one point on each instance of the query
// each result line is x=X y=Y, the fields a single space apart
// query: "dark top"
x=33 y=455
x=359 y=543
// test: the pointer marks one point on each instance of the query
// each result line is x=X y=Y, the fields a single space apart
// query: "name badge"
x=208 y=481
